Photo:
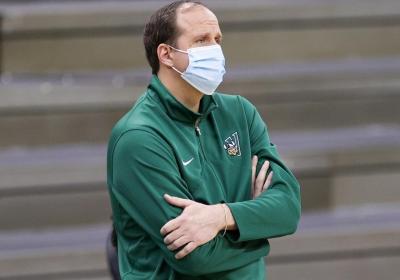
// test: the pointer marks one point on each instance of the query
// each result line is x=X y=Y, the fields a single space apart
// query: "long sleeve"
x=276 y=212
x=144 y=169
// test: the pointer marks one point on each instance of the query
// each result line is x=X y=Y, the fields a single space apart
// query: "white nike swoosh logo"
x=187 y=162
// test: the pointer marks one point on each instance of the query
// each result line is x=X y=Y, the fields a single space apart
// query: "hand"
x=259 y=184
x=195 y=226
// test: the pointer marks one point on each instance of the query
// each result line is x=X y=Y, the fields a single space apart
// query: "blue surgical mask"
x=206 y=68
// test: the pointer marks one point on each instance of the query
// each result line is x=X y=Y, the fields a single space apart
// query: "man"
x=182 y=164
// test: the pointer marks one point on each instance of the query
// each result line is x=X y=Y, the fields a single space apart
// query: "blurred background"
x=325 y=75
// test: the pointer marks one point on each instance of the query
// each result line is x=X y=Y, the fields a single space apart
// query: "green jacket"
x=159 y=147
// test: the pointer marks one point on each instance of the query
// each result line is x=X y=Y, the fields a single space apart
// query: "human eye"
x=201 y=41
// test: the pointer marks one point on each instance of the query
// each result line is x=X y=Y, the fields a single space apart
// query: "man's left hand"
x=197 y=224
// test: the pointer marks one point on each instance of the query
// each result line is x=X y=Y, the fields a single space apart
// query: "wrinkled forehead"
x=194 y=19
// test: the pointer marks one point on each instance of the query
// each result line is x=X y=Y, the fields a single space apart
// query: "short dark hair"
x=162 y=28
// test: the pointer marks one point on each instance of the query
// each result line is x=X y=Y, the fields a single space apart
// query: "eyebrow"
x=202 y=35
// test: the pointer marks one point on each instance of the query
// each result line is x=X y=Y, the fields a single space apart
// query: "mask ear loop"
x=178 y=50
x=177 y=70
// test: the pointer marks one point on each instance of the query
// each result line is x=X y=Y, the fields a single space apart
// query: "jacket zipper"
x=198 y=134
x=197 y=128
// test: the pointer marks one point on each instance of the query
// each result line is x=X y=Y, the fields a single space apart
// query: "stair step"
x=69 y=37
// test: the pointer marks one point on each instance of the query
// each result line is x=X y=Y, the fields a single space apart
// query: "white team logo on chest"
x=232 y=145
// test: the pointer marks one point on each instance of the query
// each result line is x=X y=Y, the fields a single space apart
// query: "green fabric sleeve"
x=276 y=212
x=144 y=169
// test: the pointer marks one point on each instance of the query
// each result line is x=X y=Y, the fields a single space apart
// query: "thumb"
x=180 y=202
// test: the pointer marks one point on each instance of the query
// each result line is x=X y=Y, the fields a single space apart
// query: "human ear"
x=164 y=55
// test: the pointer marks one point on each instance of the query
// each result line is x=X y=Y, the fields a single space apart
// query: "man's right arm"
x=144 y=169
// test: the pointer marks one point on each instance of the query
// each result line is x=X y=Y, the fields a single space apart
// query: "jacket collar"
x=175 y=109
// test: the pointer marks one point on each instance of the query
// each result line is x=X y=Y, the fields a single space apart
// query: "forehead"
x=196 y=19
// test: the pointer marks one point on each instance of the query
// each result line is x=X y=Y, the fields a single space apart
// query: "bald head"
x=197 y=26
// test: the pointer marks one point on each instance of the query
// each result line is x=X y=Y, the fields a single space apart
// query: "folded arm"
x=200 y=223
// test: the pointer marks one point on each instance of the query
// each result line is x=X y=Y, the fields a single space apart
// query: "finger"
x=253 y=169
x=253 y=173
x=186 y=250
x=268 y=181
x=170 y=226
x=180 y=202
x=178 y=243
x=260 y=180
x=172 y=236
x=261 y=177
